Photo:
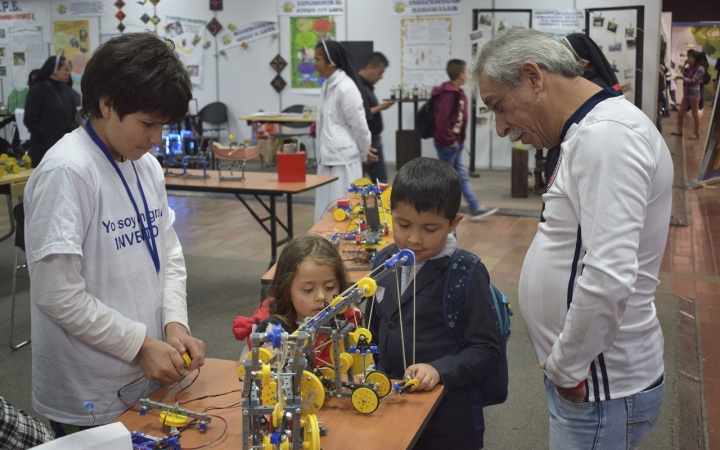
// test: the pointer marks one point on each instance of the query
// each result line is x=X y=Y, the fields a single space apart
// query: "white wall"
x=241 y=78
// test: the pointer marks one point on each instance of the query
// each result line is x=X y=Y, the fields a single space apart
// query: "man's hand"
x=385 y=105
x=571 y=395
x=179 y=337
x=159 y=361
x=372 y=157
x=425 y=374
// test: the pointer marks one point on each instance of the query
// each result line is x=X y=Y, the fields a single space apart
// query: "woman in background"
x=49 y=108
x=692 y=84
x=343 y=136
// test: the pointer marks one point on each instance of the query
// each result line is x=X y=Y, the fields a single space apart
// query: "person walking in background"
x=692 y=85
x=375 y=66
x=343 y=137
x=587 y=286
x=451 y=112
x=49 y=108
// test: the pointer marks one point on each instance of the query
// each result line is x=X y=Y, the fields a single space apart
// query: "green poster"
x=305 y=34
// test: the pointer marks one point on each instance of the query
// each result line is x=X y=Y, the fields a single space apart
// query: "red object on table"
x=291 y=167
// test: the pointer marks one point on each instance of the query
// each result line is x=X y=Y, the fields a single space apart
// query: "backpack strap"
x=457 y=282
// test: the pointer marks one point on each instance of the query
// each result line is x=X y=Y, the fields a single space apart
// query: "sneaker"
x=482 y=213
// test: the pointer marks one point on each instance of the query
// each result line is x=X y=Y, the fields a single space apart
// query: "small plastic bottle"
x=392 y=92
x=306 y=111
x=415 y=92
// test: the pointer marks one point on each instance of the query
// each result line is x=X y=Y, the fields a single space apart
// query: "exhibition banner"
x=311 y=7
x=424 y=7
x=188 y=35
x=556 y=20
x=305 y=34
x=710 y=167
x=62 y=9
x=236 y=36
x=72 y=40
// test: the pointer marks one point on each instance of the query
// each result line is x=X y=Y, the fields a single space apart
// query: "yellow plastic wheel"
x=277 y=415
x=311 y=436
x=340 y=215
x=264 y=355
x=362 y=182
x=328 y=374
x=27 y=159
x=312 y=392
x=365 y=400
x=264 y=374
x=352 y=227
x=187 y=360
x=4 y=157
x=269 y=393
x=411 y=385
x=346 y=361
x=14 y=168
x=369 y=285
x=172 y=419
x=385 y=198
x=363 y=332
x=379 y=379
x=357 y=209
x=12 y=161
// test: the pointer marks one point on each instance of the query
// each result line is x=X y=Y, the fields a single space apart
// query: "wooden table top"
x=395 y=424
x=277 y=118
x=255 y=182
x=325 y=226
x=10 y=178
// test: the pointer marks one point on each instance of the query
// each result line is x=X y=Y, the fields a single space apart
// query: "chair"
x=215 y=114
x=295 y=109
x=19 y=215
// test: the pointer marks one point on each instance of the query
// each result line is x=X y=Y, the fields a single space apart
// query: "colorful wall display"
x=704 y=37
x=188 y=36
x=237 y=36
x=72 y=40
x=424 y=7
x=311 y=7
x=305 y=34
x=425 y=48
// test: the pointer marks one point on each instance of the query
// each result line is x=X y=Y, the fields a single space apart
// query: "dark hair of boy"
x=376 y=59
x=428 y=185
x=312 y=247
x=138 y=72
x=455 y=68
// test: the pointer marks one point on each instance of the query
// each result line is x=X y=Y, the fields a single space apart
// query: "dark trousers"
x=376 y=170
x=62 y=430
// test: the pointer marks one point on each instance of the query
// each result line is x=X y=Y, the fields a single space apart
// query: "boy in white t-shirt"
x=107 y=273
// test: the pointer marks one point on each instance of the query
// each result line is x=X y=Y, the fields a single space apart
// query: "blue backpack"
x=494 y=388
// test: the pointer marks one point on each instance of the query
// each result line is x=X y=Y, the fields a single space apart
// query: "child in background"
x=424 y=203
x=308 y=275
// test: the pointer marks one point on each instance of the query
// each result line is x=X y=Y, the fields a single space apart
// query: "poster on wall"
x=72 y=40
x=305 y=34
x=704 y=37
x=425 y=48
x=25 y=53
x=311 y=7
x=70 y=9
x=558 y=23
x=424 y=7
x=710 y=167
x=188 y=36
x=236 y=36
x=615 y=31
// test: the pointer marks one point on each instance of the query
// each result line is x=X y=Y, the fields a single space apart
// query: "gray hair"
x=502 y=57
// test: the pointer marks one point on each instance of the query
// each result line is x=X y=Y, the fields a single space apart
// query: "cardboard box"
x=291 y=167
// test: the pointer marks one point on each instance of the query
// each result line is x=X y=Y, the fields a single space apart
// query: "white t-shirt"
x=588 y=282
x=94 y=289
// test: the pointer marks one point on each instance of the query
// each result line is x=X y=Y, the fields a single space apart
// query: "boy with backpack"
x=424 y=334
x=450 y=111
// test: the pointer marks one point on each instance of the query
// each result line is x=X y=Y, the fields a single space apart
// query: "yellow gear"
x=277 y=415
x=311 y=436
x=381 y=381
x=264 y=355
x=340 y=215
x=365 y=400
x=269 y=393
x=312 y=393
x=4 y=157
x=327 y=372
x=346 y=361
x=385 y=198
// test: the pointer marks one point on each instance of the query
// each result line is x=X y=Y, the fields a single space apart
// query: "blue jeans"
x=453 y=156
x=621 y=423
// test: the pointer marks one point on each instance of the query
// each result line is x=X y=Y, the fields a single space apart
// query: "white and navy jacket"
x=588 y=282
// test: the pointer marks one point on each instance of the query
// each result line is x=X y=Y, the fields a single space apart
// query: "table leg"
x=289 y=216
x=273 y=231
x=11 y=218
x=274 y=222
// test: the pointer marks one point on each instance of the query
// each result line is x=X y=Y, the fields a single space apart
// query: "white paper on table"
x=107 y=437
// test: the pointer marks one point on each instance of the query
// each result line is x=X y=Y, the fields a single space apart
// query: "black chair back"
x=19 y=215
x=215 y=113
x=295 y=109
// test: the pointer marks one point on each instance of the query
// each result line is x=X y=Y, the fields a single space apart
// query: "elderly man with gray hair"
x=588 y=281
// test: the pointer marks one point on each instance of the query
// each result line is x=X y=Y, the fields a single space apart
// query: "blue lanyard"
x=147 y=234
